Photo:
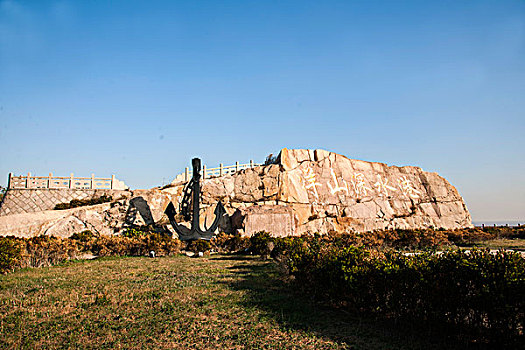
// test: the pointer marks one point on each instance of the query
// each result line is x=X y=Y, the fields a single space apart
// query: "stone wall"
x=17 y=201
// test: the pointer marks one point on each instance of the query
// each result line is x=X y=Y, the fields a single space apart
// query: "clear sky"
x=139 y=88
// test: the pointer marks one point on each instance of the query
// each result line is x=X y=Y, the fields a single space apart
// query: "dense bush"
x=138 y=245
x=199 y=245
x=262 y=243
x=84 y=236
x=83 y=202
x=402 y=239
x=478 y=294
x=228 y=243
x=46 y=250
x=10 y=253
x=137 y=232
x=34 y=252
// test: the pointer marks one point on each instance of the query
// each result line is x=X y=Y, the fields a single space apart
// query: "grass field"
x=221 y=302
x=502 y=243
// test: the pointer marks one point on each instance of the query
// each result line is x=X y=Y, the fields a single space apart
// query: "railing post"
x=203 y=172
x=28 y=180
x=112 y=181
x=9 y=180
x=49 y=180
x=251 y=163
x=92 y=181
x=220 y=169
x=186 y=174
x=236 y=166
x=71 y=180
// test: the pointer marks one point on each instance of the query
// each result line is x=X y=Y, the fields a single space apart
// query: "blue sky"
x=139 y=88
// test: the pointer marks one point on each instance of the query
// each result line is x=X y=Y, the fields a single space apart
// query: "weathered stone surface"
x=327 y=191
x=320 y=191
x=276 y=219
x=30 y=200
x=61 y=223
x=66 y=227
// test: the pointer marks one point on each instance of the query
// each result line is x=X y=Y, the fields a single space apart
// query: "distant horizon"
x=498 y=223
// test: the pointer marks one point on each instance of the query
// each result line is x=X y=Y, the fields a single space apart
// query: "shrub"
x=261 y=243
x=34 y=252
x=228 y=243
x=134 y=233
x=10 y=253
x=118 y=246
x=478 y=294
x=139 y=245
x=199 y=245
x=162 y=243
x=47 y=250
x=83 y=202
x=84 y=236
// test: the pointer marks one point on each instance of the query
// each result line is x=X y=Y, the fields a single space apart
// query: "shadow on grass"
x=235 y=257
x=266 y=291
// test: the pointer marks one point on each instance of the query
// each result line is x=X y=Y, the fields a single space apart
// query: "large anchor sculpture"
x=192 y=193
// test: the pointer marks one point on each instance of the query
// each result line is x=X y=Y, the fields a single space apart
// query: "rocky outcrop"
x=303 y=191
x=329 y=192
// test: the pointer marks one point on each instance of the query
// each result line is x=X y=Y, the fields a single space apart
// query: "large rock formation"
x=327 y=191
x=302 y=191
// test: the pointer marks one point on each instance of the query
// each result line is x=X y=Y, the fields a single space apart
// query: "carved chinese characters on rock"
x=383 y=187
x=407 y=188
x=334 y=187
x=358 y=185
x=310 y=182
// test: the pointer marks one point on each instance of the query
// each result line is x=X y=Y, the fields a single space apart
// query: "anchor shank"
x=196 y=162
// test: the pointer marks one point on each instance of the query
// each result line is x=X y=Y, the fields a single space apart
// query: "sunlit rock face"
x=329 y=192
x=303 y=191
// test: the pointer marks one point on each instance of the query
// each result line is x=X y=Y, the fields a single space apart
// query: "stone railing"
x=59 y=182
x=214 y=172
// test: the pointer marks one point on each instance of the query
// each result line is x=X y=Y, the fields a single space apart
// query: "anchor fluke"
x=219 y=213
